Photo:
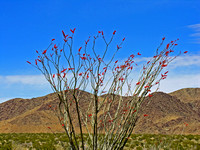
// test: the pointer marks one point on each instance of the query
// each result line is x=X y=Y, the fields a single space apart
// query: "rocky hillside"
x=166 y=113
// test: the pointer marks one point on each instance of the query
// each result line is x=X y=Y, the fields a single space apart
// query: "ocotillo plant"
x=109 y=119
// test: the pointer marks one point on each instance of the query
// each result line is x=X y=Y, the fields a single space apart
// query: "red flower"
x=132 y=56
x=150 y=95
x=148 y=62
x=138 y=83
x=39 y=60
x=63 y=70
x=167 y=46
x=52 y=39
x=28 y=62
x=166 y=72
x=134 y=111
x=89 y=115
x=55 y=46
x=155 y=56
x=118 y=47
x=116 y=68
x=146 y=86
x=123 y=39
x=53 y=75
x=86 y=41
x=49 y=127
x=73 y=30
x=70 y=68
x=185 y=52
x=80 y=74
x=36 y=51
x=163 y=75
x=36 y=61
x=83 y=58
x=64 y=75
x=166 y=53
x=63 y=125
x=163 y=38
x=114 y=32
x=138 y=53
x=145 y=115
x=99 y=31
x=79 y=49
x=121 y=79
x=163 y=65
x=63 y=33
x=44 y=51
x=87 y=76
x=116 y=61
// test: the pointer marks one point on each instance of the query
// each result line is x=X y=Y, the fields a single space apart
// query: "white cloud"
x=173 y=83
x=196 y=28
x=188 y=60
x=195 y=34
x=24 y=79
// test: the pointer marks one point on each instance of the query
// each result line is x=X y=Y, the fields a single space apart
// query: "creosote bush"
x=110 y=119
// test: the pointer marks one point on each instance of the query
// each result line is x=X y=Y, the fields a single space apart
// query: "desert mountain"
x=187 y=94
x=190 y=96
x=167 y=113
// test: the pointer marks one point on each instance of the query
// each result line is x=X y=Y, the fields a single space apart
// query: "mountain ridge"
x=167 y=113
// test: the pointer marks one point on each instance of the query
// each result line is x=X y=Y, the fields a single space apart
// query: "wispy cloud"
x=173 y=83
x=24 y=79
x=196 y=28
x=188 y=60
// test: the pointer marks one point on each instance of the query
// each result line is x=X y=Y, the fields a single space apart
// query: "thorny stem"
x=107 y=116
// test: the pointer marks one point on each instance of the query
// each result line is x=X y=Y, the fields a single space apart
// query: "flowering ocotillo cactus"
x=109 y=119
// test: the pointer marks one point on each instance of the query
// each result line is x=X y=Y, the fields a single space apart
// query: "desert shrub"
x=6 y=145
x=139 y=148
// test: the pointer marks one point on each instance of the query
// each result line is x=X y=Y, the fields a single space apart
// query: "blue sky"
x=27 y=26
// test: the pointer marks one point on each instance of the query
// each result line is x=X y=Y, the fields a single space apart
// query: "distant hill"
x=187 y=95
x=167 y=113
x=190 y=96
